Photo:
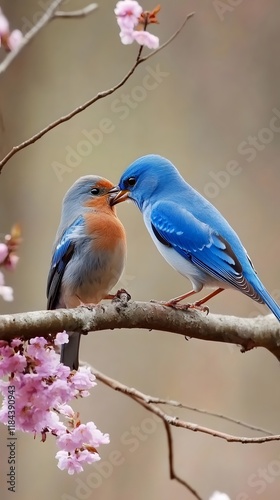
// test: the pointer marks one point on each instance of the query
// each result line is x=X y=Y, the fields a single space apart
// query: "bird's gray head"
x=87 y=192
x=145 y=177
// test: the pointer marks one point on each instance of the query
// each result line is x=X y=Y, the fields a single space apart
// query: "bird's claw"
x=183 y=307
x=200 y=307
x=250 y=344
x=171 y=303
x=121 y=295
x=89 y=307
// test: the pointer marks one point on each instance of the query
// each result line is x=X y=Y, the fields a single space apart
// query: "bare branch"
x=262 y=331
x=172 y=472
x=171 y=420
x=169 y=39
x=88 y=103
x=45 y=19
x=50 y=14
x=76 y=13
x=134 y=393
x=144 y=400
x=176 y=404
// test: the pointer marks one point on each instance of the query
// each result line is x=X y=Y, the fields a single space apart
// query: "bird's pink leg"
x=208 y=297
x=173 y=302
x=196 y=305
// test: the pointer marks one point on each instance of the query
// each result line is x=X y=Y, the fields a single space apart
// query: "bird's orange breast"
x=105 y=228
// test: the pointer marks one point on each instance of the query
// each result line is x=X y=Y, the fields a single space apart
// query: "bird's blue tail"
x=268 y=300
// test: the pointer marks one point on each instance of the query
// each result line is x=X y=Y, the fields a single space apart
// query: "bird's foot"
x=250 y=344
x=120 y=296
x=89 y=307
x=199 y=307
x=182 y=307
x=172 y=303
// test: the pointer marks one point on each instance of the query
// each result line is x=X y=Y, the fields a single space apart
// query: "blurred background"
x=214 y=111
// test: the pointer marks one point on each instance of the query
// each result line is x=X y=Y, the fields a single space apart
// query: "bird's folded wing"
x=200 y=244
x=61 y=256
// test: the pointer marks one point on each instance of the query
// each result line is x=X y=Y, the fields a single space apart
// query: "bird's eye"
x=131 y=181
x=95 y=191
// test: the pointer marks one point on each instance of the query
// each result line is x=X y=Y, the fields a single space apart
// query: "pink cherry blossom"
x=83 y=379
x=146 y=38
x=11 y=262
x=42 y=389
x=72 y=463
x=6 y=351
x=126 y=37
x=88 y=457
x=14 y=40
x=128 y=16
x=12 y=364
x=16 y=342
x=61 y=338
x=38 y=342
x=68 y=462
x=4 y=25
x=66 y=442
x=128 y=13
x=67 y=411
x=82 y=436
x=217 y=495
x=98 y=437
x=3 y=248
x=7 y=293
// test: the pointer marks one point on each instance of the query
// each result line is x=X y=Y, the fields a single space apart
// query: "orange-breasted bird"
x=88 y=255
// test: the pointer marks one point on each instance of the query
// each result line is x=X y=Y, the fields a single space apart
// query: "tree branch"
x=263 y=331
x=45 y=19
x=77 y=13
x=145 y=401
x=172 y=472
x=82 y=107
x=50 y=14
x=142 y=398
x=131 y=391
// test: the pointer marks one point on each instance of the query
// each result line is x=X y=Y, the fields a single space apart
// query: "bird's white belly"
x=197 y=277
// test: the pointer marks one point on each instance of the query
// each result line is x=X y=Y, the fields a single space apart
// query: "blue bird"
x=189 y=232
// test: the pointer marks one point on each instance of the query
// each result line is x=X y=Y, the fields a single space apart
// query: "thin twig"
x=177 y=404
x=172 y=472
x=169 y=402
x=77 y=13
x=46 y=17
x=230 y=438
x=171 y=38
x=88 y=103
x=170 y=420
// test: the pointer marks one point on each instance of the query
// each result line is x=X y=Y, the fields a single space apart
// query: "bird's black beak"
x=117 y=195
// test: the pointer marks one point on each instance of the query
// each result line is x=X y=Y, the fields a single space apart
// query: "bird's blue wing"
x=61 y=256
x=197 y=242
